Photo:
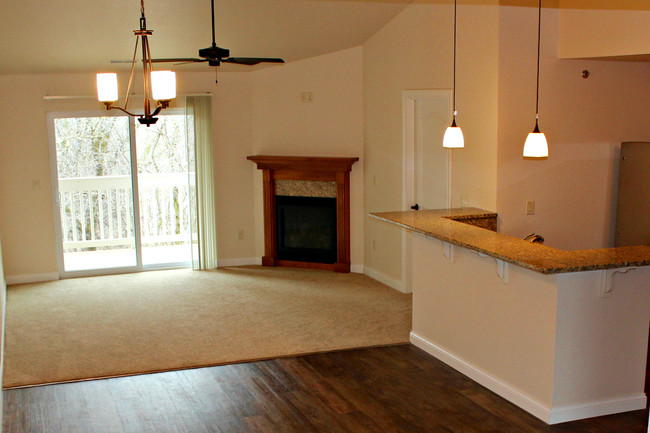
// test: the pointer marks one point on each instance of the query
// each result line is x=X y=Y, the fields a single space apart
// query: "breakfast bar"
x=562 y=334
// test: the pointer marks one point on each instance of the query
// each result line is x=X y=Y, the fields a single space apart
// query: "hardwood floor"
x=387 y=389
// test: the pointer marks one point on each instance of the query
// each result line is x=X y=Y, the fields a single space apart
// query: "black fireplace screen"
x=306 y=229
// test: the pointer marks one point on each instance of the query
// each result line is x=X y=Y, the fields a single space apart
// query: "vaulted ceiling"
x=84 y=36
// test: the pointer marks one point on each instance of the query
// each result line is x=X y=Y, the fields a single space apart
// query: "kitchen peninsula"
x=562 y=334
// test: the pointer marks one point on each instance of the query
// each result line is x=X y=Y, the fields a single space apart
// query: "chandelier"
x=159 y=86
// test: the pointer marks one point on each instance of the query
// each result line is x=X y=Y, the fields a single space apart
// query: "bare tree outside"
x=95 y=187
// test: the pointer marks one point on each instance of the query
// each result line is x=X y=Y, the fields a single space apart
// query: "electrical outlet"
x=240 y=234
x=307 y=97
x=374 y=245
x=530 y=207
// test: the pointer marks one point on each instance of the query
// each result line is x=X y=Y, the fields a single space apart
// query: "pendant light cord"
x=539 y=38
x=454 y=88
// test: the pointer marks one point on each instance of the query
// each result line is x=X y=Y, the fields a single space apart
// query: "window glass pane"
x=95 y=192
x=163 y=191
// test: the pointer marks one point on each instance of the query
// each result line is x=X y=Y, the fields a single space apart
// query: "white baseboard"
x=550 y=416
x=597 y=408
x=383 y=278
x=31 y=278
x=493 y=384
x=239 y=262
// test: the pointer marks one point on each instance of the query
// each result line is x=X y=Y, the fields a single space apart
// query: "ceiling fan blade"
x=179 y=60
x=251 y=60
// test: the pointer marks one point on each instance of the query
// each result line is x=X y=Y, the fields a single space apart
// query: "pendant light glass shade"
x=107 y=87
x=163 y=85
x=453 y=138
x=536 y=145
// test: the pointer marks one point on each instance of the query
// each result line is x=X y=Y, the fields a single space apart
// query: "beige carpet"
x=154 y=321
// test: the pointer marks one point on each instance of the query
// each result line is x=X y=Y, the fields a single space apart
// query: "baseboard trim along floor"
x=32 y=278
x=384 y=279
x=530 y=405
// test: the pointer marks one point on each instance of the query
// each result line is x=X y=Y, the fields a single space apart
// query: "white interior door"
x=430 y=158
x=426 y=164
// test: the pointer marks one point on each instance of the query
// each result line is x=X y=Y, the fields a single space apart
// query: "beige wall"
x=598 y=28
x=414 y=51
x=332 y=125
x=27 y=215
x=253 y=113
x=357 y=112
x=585 y=120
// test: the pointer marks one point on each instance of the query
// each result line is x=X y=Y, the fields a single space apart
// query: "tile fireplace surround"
x=309 y=174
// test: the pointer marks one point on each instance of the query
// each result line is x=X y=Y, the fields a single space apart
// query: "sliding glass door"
x=122 y=193
x=163 y=191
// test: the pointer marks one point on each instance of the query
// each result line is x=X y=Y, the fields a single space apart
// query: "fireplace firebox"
x=306 y=229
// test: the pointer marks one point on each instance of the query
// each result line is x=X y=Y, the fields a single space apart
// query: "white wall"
x=501 y=335
x=415 y=51
x=332 y=125
x=585 y=120
x=554 y=345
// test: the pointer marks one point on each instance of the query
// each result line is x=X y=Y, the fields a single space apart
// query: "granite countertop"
x=447 y=225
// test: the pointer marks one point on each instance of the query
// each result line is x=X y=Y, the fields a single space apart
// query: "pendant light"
x=536 y=145
x=158 y=85
x=453 y=138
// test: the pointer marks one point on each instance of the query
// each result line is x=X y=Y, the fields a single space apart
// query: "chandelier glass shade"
x=158 y=86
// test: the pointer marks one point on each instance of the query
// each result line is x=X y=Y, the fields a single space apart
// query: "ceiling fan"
x=215 y=55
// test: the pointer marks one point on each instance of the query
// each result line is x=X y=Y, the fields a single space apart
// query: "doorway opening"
x=122 y=193
x=426 y=170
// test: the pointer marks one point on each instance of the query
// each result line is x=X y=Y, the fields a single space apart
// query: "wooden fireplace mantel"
x=326 y=169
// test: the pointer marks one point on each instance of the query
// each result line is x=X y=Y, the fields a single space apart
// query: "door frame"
x=409 y=99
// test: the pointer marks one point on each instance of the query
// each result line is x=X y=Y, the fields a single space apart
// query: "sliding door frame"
x=54 y=172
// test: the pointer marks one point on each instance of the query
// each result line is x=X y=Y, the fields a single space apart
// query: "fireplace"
x=300 y=195
x=306 y=229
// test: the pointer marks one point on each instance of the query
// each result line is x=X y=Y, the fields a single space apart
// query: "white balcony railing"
x=97 y=212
